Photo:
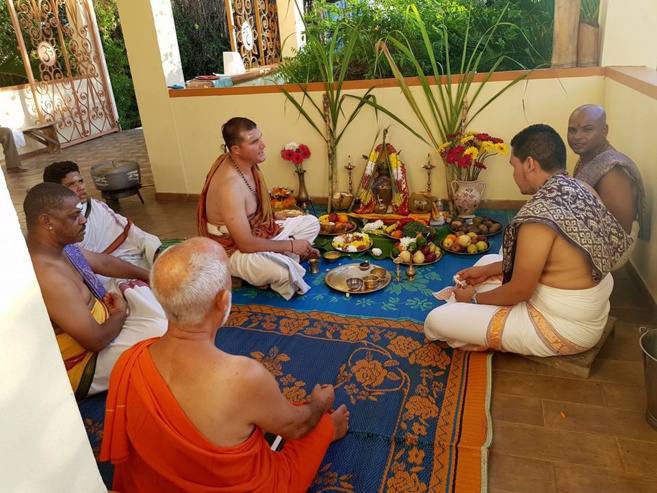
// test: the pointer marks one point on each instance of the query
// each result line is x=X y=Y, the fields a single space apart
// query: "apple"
x=425 y=250
x=472 y=248
x=481 y=246
x=456 y=248
x=430 y=257
x=472 y=235
x=405 y=256
x=333 y=217
x=464 y=240
x=447 y=243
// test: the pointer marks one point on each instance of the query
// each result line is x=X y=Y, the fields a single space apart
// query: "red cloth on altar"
x=155 y=447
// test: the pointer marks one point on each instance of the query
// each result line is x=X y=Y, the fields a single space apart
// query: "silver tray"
x=336 y=278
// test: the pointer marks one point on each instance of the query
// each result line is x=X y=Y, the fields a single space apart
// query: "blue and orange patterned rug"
x=419 y=411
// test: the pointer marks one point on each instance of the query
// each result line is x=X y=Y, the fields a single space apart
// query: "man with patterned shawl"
x=613 y=175
x=235 y=210
x=549 y=293
x=92 y=327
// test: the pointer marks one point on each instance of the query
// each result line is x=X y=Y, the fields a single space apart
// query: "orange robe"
x=80 y=364
x=262 y=223
x=157 y=449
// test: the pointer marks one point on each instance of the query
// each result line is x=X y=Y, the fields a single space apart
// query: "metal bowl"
x=380 y=272
x=354 y=283
x=371 y=281
x=332 y=256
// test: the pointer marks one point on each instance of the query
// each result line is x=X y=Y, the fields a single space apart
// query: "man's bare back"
x=235 y=395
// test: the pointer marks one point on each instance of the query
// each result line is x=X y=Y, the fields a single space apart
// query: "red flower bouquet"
x=296 y=154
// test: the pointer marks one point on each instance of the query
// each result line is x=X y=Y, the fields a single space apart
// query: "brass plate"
x=337 y=278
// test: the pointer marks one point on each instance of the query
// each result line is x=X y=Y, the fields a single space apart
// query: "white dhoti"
x=145 y=319
x=280 y=271
x=553 y=322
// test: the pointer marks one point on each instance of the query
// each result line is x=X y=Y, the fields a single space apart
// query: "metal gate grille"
x=254 y=33
x=59 y=43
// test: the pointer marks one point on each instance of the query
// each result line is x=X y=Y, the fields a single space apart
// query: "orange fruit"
x=452 y=237
x=397 y=234
x=343 y=218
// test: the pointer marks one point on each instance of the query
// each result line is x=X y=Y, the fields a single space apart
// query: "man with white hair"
x=182 y=415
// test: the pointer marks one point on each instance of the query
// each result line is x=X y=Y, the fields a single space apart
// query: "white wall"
x=44 y=444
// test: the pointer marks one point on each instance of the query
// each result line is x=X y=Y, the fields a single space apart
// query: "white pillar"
x=44 y=443
x=290 y=25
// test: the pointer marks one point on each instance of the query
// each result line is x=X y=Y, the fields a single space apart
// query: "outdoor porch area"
x=552 y=432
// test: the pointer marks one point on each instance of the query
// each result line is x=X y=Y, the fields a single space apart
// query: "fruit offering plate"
x=483 y=226
x=352 y=242
x=464 y=251
x=334 y=229
x=337 y=278
x=438 y=258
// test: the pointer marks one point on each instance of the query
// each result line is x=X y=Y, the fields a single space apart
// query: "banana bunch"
x=390 y=228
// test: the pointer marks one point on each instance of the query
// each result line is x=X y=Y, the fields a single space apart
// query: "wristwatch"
x=473 y=300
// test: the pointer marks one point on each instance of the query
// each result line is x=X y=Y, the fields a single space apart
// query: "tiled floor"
x=553 y=432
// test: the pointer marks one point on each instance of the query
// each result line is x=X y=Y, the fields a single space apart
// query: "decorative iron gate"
x=254 y=33
x=59 y=43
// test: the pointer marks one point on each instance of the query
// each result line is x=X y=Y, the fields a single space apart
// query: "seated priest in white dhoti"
x=548 y=294
x=235 y=210
x=107 y=232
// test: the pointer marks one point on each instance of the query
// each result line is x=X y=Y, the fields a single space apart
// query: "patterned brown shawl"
x=578 y=216
x=262 y=223
x=596 y=168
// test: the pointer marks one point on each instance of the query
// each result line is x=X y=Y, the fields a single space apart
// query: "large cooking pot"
x=112 y=176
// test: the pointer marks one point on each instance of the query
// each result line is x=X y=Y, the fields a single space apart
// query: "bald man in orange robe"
x=183 y=415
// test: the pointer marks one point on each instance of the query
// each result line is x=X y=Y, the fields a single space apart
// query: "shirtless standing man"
x=206 y=408
x=549 y=293
x=235 y=210
x=93 y=327
x=614 y=176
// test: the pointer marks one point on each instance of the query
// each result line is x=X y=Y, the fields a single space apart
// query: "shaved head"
x=587 y=131
x=187 y=277
x=592 y=112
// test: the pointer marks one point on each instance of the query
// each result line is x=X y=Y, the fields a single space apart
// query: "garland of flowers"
x=399 y=182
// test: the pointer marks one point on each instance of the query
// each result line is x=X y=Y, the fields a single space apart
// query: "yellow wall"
x=631 y=117
x=199 y=119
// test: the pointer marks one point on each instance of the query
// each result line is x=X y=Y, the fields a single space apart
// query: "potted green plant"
x=447 y=94
x=330 y=119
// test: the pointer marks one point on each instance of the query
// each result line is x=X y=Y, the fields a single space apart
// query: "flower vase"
x=302 y=198
x=467 y=196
